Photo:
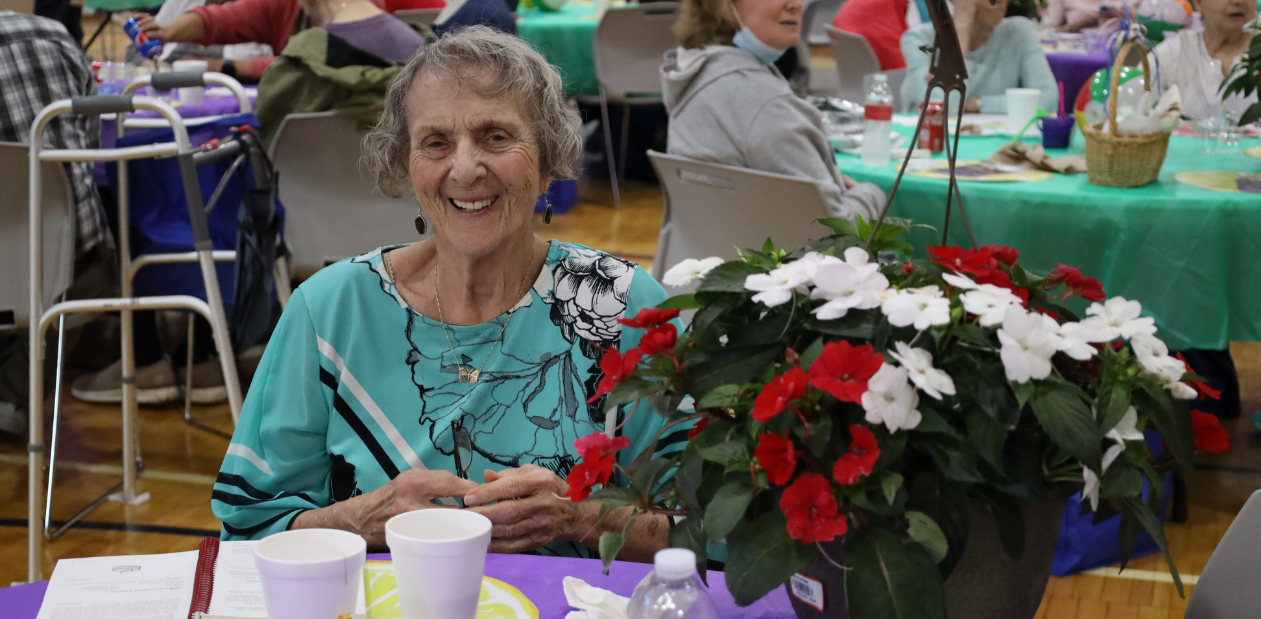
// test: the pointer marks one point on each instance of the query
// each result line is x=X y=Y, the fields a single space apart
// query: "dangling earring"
x=547 y=214
x=421 y=225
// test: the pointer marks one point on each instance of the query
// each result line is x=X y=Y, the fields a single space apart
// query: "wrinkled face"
x=1227 y=15
x=474 y=163
x=775 y=22
x=991 y=14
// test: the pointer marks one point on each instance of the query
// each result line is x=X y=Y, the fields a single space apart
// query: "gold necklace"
x=467 y=374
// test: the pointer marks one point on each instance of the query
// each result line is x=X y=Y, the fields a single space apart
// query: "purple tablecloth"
x=539 y=578
x=1075 y=69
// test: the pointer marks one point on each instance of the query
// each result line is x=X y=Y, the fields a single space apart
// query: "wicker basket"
x=1114 y=160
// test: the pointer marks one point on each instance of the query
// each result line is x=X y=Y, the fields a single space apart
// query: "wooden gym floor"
x=182 y=462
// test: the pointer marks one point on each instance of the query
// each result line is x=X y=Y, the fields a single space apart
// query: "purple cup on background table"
x=1057 y=131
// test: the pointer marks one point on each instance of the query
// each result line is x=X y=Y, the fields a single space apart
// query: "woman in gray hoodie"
x=729 y=105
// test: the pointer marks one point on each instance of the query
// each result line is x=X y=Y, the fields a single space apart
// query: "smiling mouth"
x=472 y=205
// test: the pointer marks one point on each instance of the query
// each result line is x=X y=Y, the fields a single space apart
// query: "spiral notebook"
x=218 y=581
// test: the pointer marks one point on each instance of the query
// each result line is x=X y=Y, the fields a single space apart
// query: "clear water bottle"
x=877 y=122
x=672 y=590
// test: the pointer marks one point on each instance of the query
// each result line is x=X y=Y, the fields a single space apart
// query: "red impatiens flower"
x=1005 y=255
x=615 y=367
x=778 y=458
x=1208 y=433
x=1077 y=284
x=778 y=393
x=1200 y=386
x=908 y=268
x=862 y=456
x=598 y=453
x=698 y=428
x=658 y=340
x=843 y=370
x=650 y=317
x=811 y=510
x=974 y=261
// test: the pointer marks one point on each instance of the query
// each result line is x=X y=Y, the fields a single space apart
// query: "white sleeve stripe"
x=242 y=451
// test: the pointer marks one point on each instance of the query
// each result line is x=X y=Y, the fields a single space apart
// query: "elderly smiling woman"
x=475 y=350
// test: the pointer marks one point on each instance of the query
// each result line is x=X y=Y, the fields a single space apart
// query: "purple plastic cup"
x=1057 y=131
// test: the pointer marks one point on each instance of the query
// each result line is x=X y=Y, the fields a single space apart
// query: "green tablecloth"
x=1190 y=255
x=122 y=6
x=564 y=38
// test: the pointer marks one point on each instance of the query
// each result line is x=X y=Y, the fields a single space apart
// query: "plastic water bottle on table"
x=672 y=590
x=877 y=122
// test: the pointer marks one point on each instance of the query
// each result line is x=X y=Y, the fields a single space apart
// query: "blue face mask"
x=747 y=41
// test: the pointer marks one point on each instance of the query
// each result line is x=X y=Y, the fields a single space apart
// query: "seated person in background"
x=482 y=331
x=882 y=23
x=1197 y=61
x=1071 y=15
x=171 y=52
x=344 y=65
x=729 y=105
x=1000 y=54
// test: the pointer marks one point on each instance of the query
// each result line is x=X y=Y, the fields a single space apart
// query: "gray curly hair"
x=520 y=72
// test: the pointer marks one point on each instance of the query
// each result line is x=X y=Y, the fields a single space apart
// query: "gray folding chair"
x=854 y=59
x=419 y=17
x=628 y=46
x=819 y=80
x=58 y=243
x=712 y=209
x=1230 y=585
x=895 y=79
x=331 y=210
x=813 y=28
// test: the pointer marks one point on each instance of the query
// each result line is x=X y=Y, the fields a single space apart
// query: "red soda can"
x=933 y=134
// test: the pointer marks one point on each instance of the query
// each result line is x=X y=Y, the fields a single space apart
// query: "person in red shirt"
x=882 y=23
x=242 y=21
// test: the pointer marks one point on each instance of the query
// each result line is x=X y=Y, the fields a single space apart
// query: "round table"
x=564 y=38
x=539 y=578
x=1187 y=254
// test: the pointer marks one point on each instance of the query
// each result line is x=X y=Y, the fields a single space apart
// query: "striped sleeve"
x=278 y=465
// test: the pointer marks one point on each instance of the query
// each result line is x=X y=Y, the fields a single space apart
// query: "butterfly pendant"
x=469 y=376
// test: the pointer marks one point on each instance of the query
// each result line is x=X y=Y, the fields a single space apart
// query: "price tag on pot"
x=808 y=590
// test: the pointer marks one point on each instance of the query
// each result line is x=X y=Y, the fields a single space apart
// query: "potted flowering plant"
x=853 y=411
x=1245 y=75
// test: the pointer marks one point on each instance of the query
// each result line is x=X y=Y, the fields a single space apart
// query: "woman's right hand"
x=148 y=25
x=366 y=514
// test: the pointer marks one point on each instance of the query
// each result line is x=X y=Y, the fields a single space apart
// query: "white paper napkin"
x=593 y=602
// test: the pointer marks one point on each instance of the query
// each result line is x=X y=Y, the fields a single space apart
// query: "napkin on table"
x=593 y=602
x=1033 y=157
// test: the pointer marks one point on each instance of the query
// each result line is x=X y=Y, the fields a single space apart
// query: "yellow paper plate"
x=1255 y=151
x=978 y=171
x=499 y=600
x=1216 y=181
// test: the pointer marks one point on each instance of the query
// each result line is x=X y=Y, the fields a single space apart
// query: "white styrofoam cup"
x=439 y=558
x=310 y=573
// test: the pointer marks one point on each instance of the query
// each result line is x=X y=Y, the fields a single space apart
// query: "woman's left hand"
x=527 y=507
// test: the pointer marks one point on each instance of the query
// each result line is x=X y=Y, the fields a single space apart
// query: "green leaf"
x=688 y=478
x=1121 y=481
x=1111 y=405
x=922 y=529
x=811 y=353
x=952 y=457
x=725 y=396
x=729 y=277
x=987 y=436
x=680 y=302
x=1251 y=115
x=1152 y=526
x=761 y=557
x=857 y=325
x=1066 y=418
x=932 y=422
x=645 y=476
x=820 y=434
x=734 y=365
x=947 y=503
x=725 y=451
x=1171 y=420
x=727 y=508
x=610 y=544
x=633 y=388
x=1023 y=391
x=843 y=227
x=890 y=579
x=890 y=484
x=690 y=533
x=614 y=496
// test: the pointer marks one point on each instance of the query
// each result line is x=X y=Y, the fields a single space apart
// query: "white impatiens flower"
x=777 y=287
x=919 y=366
x=1127 y=428
x=853 y=284
x=890 y=399
x=1153 y=356
x=1027 y=345
x=1074 y=340
x=960 y=281
x=1118 y=317
x=1091 y=490
x=918 y=307
x=689 y=271
x=989 y=303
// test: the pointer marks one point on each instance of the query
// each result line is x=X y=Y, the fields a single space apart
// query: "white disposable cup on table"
x=439 y=558
x=310 y=573
x=1022 y=106
x=191 y=96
